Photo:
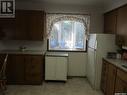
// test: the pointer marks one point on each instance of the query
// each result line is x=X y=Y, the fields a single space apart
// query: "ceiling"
x=69 y=2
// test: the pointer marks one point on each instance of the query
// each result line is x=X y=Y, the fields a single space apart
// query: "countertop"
x=59 y=54
x=118 y=63
x=33 y=52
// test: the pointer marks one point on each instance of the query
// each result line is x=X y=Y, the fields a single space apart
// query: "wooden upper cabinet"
x=35 y=24
x=122 y=23
x=27 y=25
x=21 y=26
x=110 y=21
x=30 y=24
x=7 y=28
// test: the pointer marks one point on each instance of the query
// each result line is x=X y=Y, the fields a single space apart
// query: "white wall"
x=77 y=60
x=77 y=64
x=16 y=44
x=112 y=4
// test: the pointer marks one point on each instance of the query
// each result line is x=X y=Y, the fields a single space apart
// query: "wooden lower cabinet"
x=121 y=82
x=33 y=69
x=114 y=80
x=104 y=76
x=108 y=78
x=121 y=86
x=111 y=76
x=15 y=69
x=24 y=69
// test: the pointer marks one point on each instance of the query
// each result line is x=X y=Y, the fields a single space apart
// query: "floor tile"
x=73 y=86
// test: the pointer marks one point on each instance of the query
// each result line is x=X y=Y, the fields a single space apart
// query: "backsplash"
x=16 y=44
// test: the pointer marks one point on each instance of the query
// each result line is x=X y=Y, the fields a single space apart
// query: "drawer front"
x=122 y=75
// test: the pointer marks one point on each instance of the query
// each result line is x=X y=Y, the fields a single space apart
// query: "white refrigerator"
x=98 y=46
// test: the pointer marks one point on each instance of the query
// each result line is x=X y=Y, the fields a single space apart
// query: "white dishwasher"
x=56 y=66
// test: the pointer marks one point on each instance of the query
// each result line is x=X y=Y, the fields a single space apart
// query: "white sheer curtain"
x=51 y=19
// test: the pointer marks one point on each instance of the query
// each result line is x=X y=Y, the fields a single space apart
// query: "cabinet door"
x=7 y=28
x=35 y=22
x=121 y=86
x=50 y=68
x=111 y=80
x=33 y=69
x=122 y=23
x=121 y=81
x=15 y=69
x=21 y=25
x=61 y=68
x=104 y=76
x=110 y=22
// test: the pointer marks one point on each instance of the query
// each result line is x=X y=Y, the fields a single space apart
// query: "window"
x=67 y=35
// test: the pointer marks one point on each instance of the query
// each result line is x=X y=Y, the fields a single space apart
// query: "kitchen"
x=29 y=46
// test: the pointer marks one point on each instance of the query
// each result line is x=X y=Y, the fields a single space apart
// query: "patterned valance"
x=51 y=19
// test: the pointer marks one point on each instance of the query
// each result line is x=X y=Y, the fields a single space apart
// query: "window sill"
x=67 y=51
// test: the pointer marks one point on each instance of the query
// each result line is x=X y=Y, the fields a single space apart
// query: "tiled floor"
x=74 y=86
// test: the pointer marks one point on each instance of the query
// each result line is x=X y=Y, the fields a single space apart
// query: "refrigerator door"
x=91 y=66
x=92 y=43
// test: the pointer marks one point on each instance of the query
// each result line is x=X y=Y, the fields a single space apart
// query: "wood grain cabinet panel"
x=21 y=25
x=122 y=23
x=27 y=25
x=121 y=82
x=108 y=78
x=35 y=20
x=15 y=69
x=121 y=86
x=111 y=79
x=110 y=22
x=115 y=81
x=33 y=69
x=104 y=76
x=25 y=69
x=7 y=28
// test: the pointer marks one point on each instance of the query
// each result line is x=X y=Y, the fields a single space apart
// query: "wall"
x=112 y=4
x=77 y=64
x=96 y=12
x=77 y=60
x=16 y=44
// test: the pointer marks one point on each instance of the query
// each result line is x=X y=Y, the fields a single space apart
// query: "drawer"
x=122 y=75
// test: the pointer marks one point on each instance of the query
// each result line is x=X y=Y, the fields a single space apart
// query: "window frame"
x=55 y=17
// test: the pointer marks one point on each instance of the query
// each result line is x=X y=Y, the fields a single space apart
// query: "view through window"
x=68 y=35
